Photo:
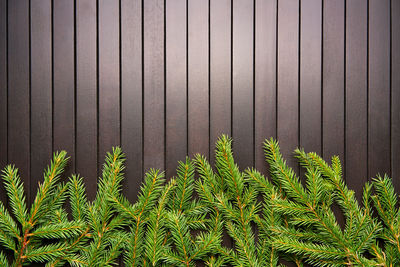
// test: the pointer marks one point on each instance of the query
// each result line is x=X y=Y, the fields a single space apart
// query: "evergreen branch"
x=123 y=206
x=180 y=234
x=77 y=197
x=15 y=191
x=3 y=260
x=61 y=230
x=205 y=243
x=312 y=250
x=134 y=250
x=8 y=227
x=156 y=231
x=206 y=173
x=55 y=203
x=185 y=182
x=44 y=253
x=227 y=167
x=51 y=176
x=116 y=244
x=244 y=244
x=7 y=241
x=282 y=173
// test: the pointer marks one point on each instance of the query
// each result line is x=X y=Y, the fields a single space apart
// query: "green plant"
x=232 y=195
x=162 y=221
x=102 y=240
x=180 y=221
x=42 y=233
x=311 y=230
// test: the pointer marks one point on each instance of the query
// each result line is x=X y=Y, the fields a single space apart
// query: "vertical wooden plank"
x=108 y=64
x=395 y=94
x=220 y=71
x=86 y=94
x=64 y=80
x=198 y=87
x=131 y=95
x=310 y=75
x=176 y=93
x=265 y=78
x=333 y=90
x=41 y=91
x=288 y=87
x=18 y=89
x=333 y=80
x=220 y=76
x=356 y=95
x=379 y=88
x=3 y=92
x=154 y=83
x=242 y=86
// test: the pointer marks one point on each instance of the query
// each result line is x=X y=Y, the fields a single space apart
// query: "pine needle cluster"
x=311 y=231
x=181 y=221
x=43 y=232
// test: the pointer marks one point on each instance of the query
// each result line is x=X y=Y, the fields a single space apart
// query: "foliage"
x=222 y=217
x=102 y=240
x=41 y=233
x=163 y=220
x=311 y=230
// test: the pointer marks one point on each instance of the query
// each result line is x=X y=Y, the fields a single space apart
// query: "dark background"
x=164 y=79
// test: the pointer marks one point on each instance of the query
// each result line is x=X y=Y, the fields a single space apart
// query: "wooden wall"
x=164 y=79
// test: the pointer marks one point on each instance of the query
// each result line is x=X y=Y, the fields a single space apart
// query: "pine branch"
x=76 y=190
x=15 y=192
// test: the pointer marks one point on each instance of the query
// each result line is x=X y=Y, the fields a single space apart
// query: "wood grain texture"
x=19 y=90
x=333 y=79
x=264 y=78
x=3 y=92
x=198 y=78
x=86 y=94
x=64 y=80
x=154 y=85
x=356 y=95
x=220 y=71
x=310 y=75
x=166 y=78
x=41 y=91
x=176 y=84
x=288 y=82
x=379 y=88
x=108 y=78
x=395 y=69
x=132 y=95
x=243 y=82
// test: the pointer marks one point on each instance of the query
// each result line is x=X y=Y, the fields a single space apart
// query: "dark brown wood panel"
x=243 y=82
x=86 y=94
x=198 y=78
x=41 y=90
x=264 y=77
x=64 y=79
x=176 y=84
x=310 y=75
x=220 y=71
x=166 y=78
x=3 y=91
x=131 y=95
x=19 y=89
x=356 y=94
x=108 y=78
x=288 y=78
x=395 y=70
x=379 y=88
x=154 y=85
x=333 y=79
